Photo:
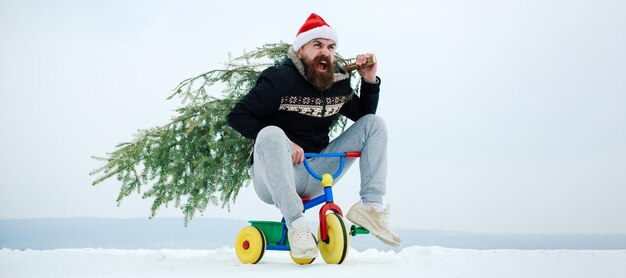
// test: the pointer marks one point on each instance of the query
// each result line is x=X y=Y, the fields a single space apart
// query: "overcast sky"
x=504 y=116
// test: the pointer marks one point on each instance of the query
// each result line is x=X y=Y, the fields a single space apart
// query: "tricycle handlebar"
x=341 y=157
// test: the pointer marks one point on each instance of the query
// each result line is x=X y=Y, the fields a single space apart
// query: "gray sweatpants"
x=277 y=180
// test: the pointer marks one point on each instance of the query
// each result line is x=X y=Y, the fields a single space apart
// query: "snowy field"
x=417 y=261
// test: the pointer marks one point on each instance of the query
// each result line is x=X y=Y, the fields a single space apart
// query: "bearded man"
x=290 y=110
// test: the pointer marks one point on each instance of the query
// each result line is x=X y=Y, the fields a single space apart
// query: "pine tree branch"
x=196 y=159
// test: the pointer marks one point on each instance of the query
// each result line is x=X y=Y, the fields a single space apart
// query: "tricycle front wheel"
x=335 y=249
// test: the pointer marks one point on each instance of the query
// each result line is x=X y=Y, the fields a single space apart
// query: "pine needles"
x=196 y=159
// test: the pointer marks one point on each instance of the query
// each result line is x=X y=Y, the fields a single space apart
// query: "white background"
x=504 y=116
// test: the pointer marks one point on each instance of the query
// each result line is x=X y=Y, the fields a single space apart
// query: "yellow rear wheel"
x=335 y=249
x=250 y=245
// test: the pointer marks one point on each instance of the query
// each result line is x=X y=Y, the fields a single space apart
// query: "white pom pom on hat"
x=314 y=27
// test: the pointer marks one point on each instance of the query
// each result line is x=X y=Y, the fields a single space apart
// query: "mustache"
x=322 y=58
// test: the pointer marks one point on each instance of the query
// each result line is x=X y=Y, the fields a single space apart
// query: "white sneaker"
x=375 y=220
x=301 y=242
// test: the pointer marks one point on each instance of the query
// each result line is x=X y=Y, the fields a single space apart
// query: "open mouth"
x=322 y=66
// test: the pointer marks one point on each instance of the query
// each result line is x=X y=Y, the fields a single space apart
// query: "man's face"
x=317 y=47
x=318 y=57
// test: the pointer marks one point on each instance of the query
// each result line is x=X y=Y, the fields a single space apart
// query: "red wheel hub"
x=246 y=245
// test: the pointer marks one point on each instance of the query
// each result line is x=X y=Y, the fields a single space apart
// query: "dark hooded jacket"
x=284 y=98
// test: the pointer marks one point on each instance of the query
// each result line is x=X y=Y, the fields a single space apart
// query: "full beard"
x=320 y=72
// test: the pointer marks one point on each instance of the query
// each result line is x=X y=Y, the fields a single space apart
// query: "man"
x=290 y=111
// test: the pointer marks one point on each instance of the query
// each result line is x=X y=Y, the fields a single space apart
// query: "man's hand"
x=367 y=72
x=297 y=154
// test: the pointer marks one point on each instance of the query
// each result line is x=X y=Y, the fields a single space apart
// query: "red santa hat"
x=314 y=27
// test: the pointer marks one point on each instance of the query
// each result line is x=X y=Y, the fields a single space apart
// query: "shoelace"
x=301 y=235
x=384 y=218
x=384 y=215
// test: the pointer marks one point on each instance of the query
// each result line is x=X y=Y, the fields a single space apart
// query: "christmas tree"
x=196 y=159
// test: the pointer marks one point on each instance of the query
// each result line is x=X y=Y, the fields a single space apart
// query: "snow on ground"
x=417 y=261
